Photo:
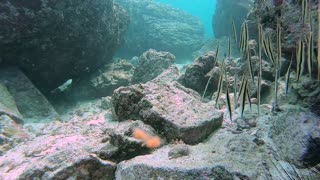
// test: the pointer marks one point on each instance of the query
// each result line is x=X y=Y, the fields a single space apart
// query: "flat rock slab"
x=30 y=102
x=56 y=157
x=223 y=156
x=169 y=108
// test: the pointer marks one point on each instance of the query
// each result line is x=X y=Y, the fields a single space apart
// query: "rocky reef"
x=152 y=120
x=53 y=41
x=160 y=27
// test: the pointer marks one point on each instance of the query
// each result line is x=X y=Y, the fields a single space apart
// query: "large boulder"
x=226 y=10
x=292 y=26
x=161 y=27
x=151 y=64
x=198 y=73
x=169 y=108
x=53 y=41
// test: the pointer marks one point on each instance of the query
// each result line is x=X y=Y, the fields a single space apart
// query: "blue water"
x=204 y=9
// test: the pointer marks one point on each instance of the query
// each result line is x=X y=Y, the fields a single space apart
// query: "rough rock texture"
x=8 y=105
x=11 y=133
x=28 y=99
x=225 y=11
x=198 y=73
x=224 y=156
x=151 y=64
x=304 y=129
x=169 y=109
x=161 y=27
x=55 y=157
x=53 y=41
x=103 y=82
x=295 y=134
x=293 y=28
x=308 y=92
x=86 y=146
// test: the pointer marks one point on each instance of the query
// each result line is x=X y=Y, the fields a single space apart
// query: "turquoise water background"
x=204 y=9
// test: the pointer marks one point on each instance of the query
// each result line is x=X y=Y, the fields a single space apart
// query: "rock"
x=215 y=159
x=151 y=64
x=212 y=44
x=55 y=157
x=8 y=105
x=161 y=27
x=308 y=91
x=169 y=75
x=127 y=146
x=296 y=136
x=222 y=23
x=30 y=102
x=178 y=150
x=11 y=133
x=167 y=108
x=53 y=41
x=103 y=82
x=60 y=150
x=197 y=74
x=293 y=28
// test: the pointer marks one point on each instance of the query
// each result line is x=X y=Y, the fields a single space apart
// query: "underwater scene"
x=159 y=89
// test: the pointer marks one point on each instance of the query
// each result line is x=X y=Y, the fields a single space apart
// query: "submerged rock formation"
x=161 y=27
x=53 y=41
x=101 y=83
x=198 y=73
x=169 y=108
x=29 y=101
x=227 y=10
x=151 y=64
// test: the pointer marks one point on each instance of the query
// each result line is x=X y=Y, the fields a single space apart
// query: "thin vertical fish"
x=267 y=46
x=250 y=64
x=303 y=11
x=318 y=48
x=298 y=58
x=244 y=38
x=235 y=92
x=288 y=75
x=248 y=96
x=277 y=64
x=243 y=97
x=215 y=62
x=302 y=58
x=310 y=53
x=241 y=86
x=260 y=39
x=279 y=43
x=234 y=31
x=217 y=55
x=228 y=102
x=229 y=48
x=220 y=84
